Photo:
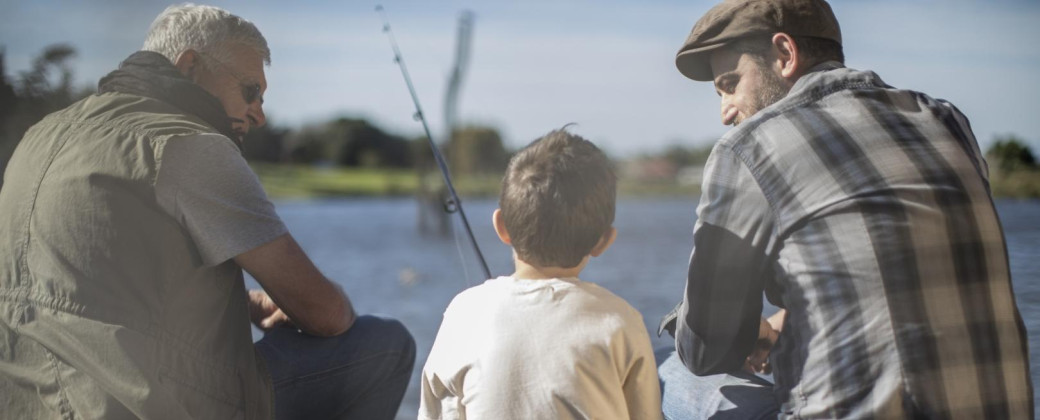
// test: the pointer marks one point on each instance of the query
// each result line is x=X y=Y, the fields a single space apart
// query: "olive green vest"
x=106 y=309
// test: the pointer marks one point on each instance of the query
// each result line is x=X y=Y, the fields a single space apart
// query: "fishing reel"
x=450 y=205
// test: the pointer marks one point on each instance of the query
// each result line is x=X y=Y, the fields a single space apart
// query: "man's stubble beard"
x=773 y=89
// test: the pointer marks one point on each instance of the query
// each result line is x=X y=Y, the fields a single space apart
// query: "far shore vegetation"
x=351 y=157
x=292 y=182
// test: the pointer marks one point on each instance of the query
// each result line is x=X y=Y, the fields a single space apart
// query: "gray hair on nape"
x=206 y=29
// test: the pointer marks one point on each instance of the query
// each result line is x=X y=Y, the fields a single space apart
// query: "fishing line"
x=453 y=204
x=462 y=257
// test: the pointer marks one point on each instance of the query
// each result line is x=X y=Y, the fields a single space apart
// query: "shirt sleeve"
x=642 y=388
x=718 y=320
x=436 y=402
x=439 y=398
x=207 y=186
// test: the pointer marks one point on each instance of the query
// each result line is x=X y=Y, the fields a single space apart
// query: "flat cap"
x=735 y=19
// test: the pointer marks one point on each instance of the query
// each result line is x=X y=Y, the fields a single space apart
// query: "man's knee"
x=739 y=395
x=387 y=334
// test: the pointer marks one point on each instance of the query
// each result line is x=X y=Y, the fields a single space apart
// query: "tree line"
x=47 y=86
x=356 y=142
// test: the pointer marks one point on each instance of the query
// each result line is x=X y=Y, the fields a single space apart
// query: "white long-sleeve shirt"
x=540 y=349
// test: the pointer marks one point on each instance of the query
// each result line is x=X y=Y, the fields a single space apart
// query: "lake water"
x=374 y=249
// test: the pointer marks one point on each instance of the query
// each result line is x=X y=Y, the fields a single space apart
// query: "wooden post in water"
x=431 y=201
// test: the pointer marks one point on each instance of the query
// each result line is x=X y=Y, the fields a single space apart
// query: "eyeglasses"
x=250 y=91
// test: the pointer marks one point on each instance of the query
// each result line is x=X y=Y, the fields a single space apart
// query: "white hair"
x=206 y=29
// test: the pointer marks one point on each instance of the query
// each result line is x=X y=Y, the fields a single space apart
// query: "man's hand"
x=264 y=313
x=777 y=320
x=768 y=333
x=669 y=321
x=295 y=286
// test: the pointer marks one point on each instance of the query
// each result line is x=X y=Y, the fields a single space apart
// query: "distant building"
x=649 y=169
x=690 y=175
x=661 y=170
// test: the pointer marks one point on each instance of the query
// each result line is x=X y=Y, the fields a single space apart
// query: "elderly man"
x=864 y=212
x=127 y=218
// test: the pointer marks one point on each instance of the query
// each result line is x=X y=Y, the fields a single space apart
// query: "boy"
x=542 y=344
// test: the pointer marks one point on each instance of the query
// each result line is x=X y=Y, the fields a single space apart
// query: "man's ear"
x=604 y=242
x=500 y=227
x=187 y=63
x=787 y=56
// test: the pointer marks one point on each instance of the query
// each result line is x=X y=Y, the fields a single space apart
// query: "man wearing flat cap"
x=864 y=212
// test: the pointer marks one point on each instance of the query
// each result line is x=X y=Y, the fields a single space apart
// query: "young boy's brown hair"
x=557 y=200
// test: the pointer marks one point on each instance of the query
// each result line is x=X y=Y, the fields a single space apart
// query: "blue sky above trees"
x=540 y=64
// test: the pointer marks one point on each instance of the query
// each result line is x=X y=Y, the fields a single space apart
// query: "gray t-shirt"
x=205 y=183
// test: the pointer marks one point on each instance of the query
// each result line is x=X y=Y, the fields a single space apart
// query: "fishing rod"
x=453 y=204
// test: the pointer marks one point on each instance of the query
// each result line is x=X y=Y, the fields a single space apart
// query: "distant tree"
x=422 y=156
x=683 y=156
x=8 y=100
x=350 y=142
x=1010 y=154
x=8 y=106
x=266 y=143
x=49 y=82
x=43 y=89
x=305 y=146
x=360 y=143
x=477 y=150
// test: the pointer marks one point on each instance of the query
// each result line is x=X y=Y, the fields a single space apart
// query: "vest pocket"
x=206 y=390
x=199 y=402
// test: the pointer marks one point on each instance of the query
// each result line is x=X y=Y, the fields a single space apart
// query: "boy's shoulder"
x=614 y=302
x=570 y=291
x=488 y=295
x=487 y=289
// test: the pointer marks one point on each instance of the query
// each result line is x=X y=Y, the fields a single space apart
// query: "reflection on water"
x=373 y=248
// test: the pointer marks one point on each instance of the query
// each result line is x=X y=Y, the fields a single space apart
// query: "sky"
x=536 y=65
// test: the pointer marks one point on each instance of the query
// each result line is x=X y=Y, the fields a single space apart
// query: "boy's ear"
x=500 y=227
x=604 y=242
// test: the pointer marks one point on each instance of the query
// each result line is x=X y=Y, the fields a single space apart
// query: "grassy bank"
x=302 y=181
x=1023 y=183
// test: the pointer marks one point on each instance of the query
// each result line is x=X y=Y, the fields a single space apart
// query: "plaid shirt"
x=865 y=211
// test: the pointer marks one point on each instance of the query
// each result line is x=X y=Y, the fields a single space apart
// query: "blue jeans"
x=739 y=395
x=361 y=374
